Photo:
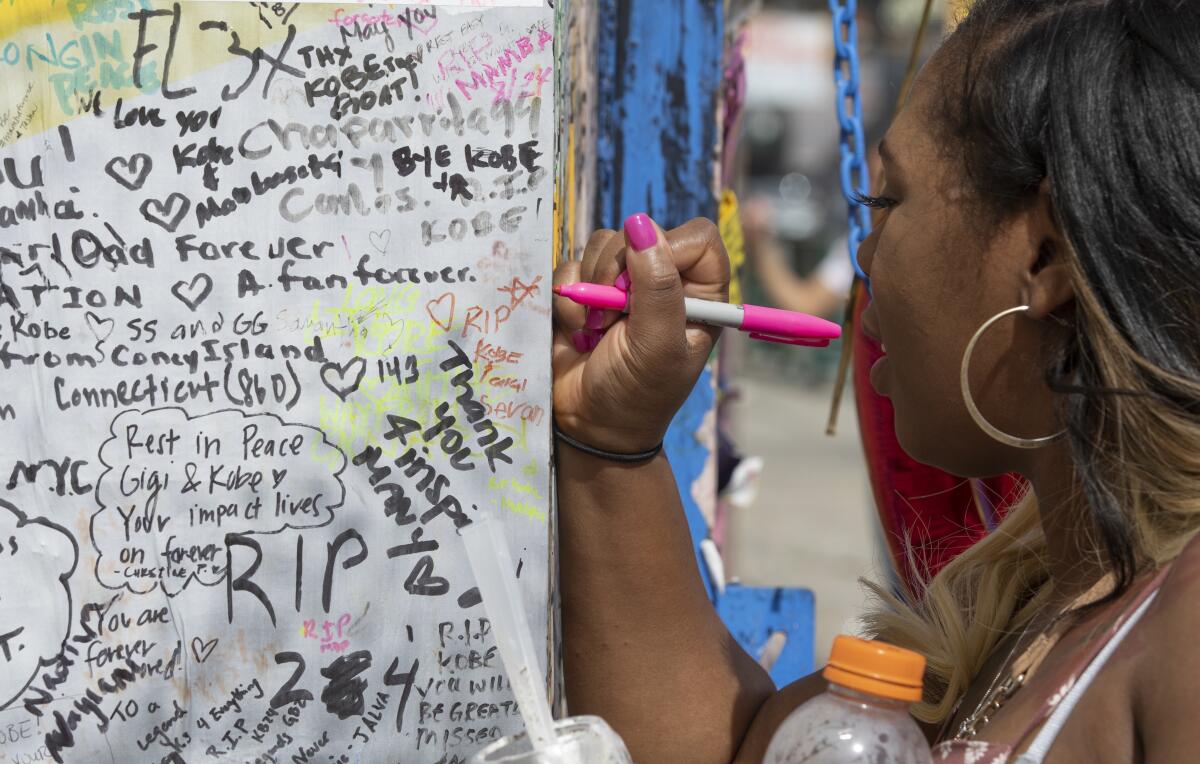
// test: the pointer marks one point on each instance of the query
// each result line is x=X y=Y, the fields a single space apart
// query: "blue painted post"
x=660 y=76
x=659 y=79
x=660 y=68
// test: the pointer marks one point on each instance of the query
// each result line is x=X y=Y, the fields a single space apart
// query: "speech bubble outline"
x=187 y=418
x=22 y=521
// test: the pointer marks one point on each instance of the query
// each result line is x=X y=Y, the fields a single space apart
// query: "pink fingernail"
x=595 y=319
x=623 y=281
x=640 y=231
x=593 y=338
x=581 y=341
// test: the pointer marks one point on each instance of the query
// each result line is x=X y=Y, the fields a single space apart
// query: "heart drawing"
x=101 y=327
x=441 y=311
x=422 y=20
x=194 y=293
x=168 y=214
x=344 y=379
x=380 y=240
x=130 y=173
x=201 y=649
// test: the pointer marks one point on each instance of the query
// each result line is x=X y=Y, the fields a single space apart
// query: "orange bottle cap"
x=876 y=668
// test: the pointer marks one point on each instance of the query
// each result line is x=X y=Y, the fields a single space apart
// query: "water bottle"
x=863 y=716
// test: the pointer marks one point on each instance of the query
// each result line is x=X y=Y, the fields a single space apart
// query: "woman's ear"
x=1049 y=286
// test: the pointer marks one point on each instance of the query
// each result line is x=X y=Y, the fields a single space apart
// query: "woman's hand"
x=620 y=390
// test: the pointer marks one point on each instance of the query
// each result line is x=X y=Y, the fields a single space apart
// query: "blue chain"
x=853 y=164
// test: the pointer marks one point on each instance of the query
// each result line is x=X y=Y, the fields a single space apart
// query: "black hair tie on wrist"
x=611 y=456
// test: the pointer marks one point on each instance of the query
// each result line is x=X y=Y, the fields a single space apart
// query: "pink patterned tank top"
x=1053 y=714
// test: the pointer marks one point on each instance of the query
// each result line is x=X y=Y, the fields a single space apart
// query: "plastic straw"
x=487 y=551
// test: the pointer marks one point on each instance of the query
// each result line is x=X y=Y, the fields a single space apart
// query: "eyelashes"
x=876 y=202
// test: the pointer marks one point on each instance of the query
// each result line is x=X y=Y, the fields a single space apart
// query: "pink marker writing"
x=768 y=324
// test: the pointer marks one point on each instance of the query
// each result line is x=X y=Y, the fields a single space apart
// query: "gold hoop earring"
x=993 y=431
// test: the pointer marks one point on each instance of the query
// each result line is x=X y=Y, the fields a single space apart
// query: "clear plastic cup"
x=581 y=740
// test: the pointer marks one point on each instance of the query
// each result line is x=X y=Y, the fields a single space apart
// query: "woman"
x=1041 y=195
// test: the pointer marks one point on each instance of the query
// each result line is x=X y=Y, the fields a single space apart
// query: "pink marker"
x=768 y=324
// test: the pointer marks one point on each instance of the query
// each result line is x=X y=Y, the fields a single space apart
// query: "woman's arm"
x=643 y=646
x=784 y=288
x=773 y=712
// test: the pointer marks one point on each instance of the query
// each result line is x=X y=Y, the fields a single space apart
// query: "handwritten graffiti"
x=273 y=305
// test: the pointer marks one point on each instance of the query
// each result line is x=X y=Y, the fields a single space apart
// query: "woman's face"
x=938 y=272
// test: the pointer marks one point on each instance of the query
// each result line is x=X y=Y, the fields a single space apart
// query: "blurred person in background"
x=823 y=292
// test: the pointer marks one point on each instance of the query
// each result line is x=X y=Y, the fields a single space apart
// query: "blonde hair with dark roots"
x=1108 y=117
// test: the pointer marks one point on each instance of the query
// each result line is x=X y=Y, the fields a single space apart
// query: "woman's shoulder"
x=1179 y=596
x=1167 y=678
x=1172 y=622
